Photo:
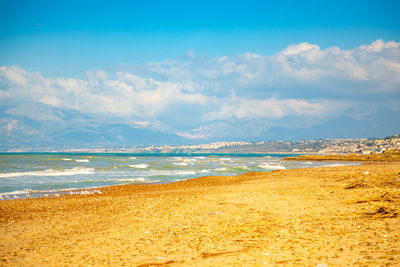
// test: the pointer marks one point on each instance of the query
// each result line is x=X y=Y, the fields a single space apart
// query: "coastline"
x=345 y=215
x=390 y=156
x=66 y=172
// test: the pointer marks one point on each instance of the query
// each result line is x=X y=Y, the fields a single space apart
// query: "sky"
x=204 y=69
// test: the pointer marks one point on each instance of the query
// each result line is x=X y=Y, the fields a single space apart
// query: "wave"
x=184 y=161
x=139 y=180
x=139 y=166
x=82 y=160
x=85 y=192
x=180 y=163
x=184 y=173
x=271 y=167
x=49 y=172
x=224 y=159
x=170 y=172
x=28 y=193
x=66 y=159
x=242 y=167
x=173 y=172
x=20 y=192
x=132 y=157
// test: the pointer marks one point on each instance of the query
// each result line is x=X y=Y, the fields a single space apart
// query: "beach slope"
x=337 y=216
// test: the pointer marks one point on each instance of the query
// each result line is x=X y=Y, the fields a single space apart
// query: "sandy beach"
x=338 y=216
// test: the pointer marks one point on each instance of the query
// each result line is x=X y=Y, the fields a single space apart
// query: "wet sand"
x=339 y=216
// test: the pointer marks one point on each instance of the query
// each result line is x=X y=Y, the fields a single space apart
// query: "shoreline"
x=345 y=215
x=35 y=194
x=390 y=156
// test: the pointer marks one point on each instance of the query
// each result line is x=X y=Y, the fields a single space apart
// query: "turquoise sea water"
x=39 y=174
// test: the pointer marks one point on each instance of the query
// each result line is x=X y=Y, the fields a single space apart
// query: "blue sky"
x=206 y=68
x=69 y=37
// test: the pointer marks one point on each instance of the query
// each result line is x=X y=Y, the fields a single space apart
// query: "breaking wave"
x=82 y=160
x=139 y=180
x=271 y=167
x=49 y=172
x=139 y=166
x=180 y=163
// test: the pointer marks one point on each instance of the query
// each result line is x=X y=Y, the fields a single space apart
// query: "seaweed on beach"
x=375 y=179
x=385 y=212
x=381 y=190
x=358 y=184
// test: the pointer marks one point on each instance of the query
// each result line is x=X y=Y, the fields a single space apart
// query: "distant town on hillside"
x=322 y=146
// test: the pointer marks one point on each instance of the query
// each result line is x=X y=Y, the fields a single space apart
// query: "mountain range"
x=37 y=126
x=34 y=126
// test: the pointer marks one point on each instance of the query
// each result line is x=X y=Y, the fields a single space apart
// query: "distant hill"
x=37 y=126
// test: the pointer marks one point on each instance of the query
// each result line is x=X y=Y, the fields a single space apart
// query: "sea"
x=30 y=175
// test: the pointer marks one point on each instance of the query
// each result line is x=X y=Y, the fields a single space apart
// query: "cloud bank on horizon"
x=202 y=97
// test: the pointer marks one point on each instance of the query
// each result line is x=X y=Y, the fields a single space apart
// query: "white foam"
x=271 y=167
x=186 y=173
x=175 y=172
x=66 y=159
x=82 y=160
x=85 y=192
x=139 y=166
x=224 y=159
x=241 y=167
x=308 y=162
x=220 y=169
x=150 y=172
x=49 y=172
x=19 y=192
x=180 y=163
x=45 y=193
x=136 y=180
x=201 y=157
x=268 y=157
x=132 y=157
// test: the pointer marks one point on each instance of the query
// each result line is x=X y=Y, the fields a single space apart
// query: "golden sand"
x=340 y=216
x=387 y=156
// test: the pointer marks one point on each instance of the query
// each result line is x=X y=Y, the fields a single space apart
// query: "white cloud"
x=241 y=108
x=51 y=100
x=128 y=95
x=302 y=80
x=332 y=70
x=299 y=48
x=379 y=45
x=14 y=75
x=195 y=135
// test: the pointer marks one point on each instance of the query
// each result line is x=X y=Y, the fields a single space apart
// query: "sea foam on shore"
x=57 y=172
